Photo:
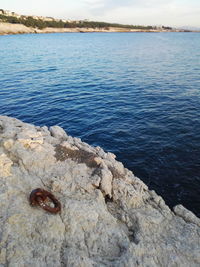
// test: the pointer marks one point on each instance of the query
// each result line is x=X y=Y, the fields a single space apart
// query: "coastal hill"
x=10 y=22
x=108 y=216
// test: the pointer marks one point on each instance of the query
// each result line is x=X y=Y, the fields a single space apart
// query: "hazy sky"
x=142 y=12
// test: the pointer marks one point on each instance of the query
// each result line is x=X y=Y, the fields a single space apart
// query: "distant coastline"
x=9 y=28
x=12 y=23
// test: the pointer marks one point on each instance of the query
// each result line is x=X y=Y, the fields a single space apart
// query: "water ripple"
x=137 y=96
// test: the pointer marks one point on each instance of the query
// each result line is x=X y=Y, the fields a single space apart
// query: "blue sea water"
x=134 y=94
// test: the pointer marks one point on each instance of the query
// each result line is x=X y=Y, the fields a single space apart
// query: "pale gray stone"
x=58 y=132
x=187 y=215
x=109 y=217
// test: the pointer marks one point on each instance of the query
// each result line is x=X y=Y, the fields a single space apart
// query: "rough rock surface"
x=108 y=218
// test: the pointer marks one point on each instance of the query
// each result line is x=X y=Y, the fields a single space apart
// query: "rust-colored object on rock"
x=38 y=197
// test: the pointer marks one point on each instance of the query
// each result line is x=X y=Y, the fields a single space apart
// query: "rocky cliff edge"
x=109 y=217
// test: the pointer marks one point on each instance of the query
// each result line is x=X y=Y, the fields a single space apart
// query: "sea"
x=136 y=95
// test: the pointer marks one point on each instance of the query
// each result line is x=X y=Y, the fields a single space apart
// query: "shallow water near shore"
x=134 y=94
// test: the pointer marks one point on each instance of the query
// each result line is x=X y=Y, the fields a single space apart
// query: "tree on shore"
x=41 y=24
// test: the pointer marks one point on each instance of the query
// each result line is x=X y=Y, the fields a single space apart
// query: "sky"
x=176 y=13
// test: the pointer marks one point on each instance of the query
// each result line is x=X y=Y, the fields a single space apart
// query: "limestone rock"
x=106 y=181
x=57 y=132
x=187 y=215
x=5 y=165
x=108 y=217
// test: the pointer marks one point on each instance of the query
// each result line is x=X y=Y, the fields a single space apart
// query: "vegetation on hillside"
x=41 y=24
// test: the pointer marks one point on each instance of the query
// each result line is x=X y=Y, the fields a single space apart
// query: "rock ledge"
x=108 y=218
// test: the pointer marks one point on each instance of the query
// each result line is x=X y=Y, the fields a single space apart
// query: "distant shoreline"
x=9 y=28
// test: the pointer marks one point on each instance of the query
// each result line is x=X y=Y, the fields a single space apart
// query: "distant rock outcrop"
x=8 y=28
x=108 y=216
